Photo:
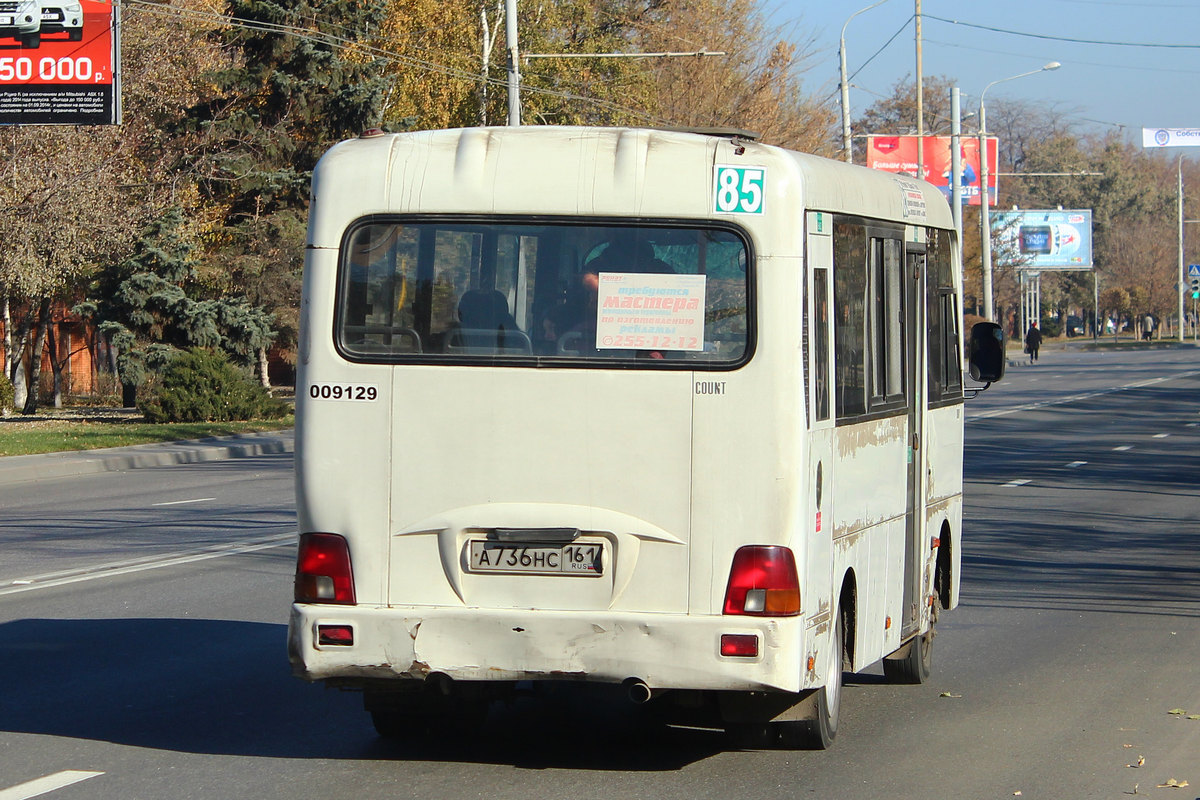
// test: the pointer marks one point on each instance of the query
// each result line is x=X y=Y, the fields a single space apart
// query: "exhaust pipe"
x=637 y=690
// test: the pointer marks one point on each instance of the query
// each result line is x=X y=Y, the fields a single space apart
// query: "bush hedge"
x=202 y=385
x=8 y=395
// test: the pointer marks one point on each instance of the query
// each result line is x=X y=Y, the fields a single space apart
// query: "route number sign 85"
x=738 y=190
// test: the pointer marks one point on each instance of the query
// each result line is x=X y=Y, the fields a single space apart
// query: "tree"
x=288 y=92
x=152 y=304
x=756 y=86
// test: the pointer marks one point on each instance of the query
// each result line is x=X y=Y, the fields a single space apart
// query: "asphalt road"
x=150 y=647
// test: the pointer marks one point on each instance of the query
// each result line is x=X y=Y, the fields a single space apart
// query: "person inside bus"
x=485 y=321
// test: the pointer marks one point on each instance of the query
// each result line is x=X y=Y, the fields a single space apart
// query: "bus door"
x=818 y=337
x=913 y=305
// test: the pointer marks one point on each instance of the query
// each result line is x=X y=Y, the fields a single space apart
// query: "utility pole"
x=514 y=75
x=920 y=99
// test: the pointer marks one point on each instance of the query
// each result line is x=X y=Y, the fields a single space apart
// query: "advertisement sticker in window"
x=650 y=312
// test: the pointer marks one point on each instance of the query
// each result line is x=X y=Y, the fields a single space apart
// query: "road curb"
x=21 y=469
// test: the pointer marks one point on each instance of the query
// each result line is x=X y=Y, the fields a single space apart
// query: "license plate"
x=536 y=559
x=6 y=21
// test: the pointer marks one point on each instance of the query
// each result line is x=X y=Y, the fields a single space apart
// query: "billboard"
x=1170 y=137
x=899 y=154
x=58 y=62
x=1037 y=240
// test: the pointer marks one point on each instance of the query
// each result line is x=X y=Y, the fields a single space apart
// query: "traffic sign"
x=1194 y=270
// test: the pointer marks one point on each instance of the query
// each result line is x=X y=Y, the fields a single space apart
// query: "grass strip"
x=19 y=437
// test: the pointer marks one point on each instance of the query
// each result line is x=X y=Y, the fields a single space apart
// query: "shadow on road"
x=223 y=688
x=1091 y=528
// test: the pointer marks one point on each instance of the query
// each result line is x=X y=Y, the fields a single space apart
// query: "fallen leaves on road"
x=1141 y=761
x=949 y=694
x=1173 y=784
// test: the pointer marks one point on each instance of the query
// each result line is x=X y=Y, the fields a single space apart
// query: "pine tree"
x=152 y=306
x=301 y=78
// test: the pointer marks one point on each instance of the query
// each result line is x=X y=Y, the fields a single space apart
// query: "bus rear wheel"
x=817 y=730
x=915 y=665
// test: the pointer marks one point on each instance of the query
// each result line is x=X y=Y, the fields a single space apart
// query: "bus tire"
x=819 y=731
x=395 y=725
x=821 y=708
x=915 y=665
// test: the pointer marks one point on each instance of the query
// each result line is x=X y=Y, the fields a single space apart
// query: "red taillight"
x=342 y=635
x=323 y=573
x=763 y=582
x=742 y=645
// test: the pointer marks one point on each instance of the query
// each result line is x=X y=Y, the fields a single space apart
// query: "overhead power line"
x=341 y=42
x=1062 y=38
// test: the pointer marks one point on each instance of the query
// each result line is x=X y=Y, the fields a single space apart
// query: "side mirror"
x=986 y=352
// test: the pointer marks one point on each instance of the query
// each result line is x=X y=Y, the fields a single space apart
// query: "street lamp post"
x=847 y=155
x=985 y=233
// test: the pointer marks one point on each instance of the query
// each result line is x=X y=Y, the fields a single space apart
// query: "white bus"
x=674 y=412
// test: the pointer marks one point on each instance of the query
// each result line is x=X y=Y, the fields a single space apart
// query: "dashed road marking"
x=1161 y=435
x=1123 y=447
x=140 y=565
x=184 y=502
x=1018 y=482
x=1074 y=464
x=47 y=784
x=1075 y=398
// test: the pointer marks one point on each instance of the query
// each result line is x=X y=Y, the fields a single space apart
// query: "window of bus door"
x=887 y=323
x=821 y=343
x=538 y=292
x=945 y=359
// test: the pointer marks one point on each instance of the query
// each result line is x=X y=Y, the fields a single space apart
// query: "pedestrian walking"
x=1033 y=341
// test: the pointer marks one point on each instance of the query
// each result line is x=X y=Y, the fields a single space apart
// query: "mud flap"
x=760 y=707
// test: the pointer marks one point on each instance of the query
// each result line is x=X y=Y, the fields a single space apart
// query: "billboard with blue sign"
x=1035 y=240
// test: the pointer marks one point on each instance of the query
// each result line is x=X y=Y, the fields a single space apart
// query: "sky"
x=1100 y=86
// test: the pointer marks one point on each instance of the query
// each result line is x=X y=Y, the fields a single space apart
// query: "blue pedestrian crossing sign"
x=1193 y=271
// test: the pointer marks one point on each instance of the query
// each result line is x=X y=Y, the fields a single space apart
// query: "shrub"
x=7 y=395
x=202 y=385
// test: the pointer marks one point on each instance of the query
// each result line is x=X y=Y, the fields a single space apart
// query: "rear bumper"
x=666 y=651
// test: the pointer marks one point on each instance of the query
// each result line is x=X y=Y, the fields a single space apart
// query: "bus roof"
x=620 y=172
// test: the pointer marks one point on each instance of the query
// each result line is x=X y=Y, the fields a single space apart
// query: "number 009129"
x=344 y=391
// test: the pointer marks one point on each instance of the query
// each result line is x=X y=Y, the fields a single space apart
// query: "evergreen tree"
x=152 y=305
x=301 y=78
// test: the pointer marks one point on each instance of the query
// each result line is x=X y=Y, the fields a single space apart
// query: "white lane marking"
x=1002 y=412
x=1018 y=482
x=1074 y=464
x=41 y=786
x=1161 y=435
x=1123 y=447
x=116 y=568
x=1193 y=424
x=184 y=502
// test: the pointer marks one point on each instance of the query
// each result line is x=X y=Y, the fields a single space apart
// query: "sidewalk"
x=21 y=469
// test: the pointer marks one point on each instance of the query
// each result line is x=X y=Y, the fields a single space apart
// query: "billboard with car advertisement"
x=1037 y=240
x=58 y=62
x=899 y=154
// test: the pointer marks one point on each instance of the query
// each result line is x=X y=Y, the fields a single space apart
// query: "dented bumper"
x=666 y=651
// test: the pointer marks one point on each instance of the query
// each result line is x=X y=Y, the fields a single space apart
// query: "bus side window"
x=849 y=297
x=821 y=340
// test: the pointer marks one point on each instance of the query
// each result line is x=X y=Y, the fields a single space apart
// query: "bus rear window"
x=540 y=293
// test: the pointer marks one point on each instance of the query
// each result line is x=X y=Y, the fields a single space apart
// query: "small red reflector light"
x=335 y=634
x=743 y=645
x=323 y=573
x=763 y=582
